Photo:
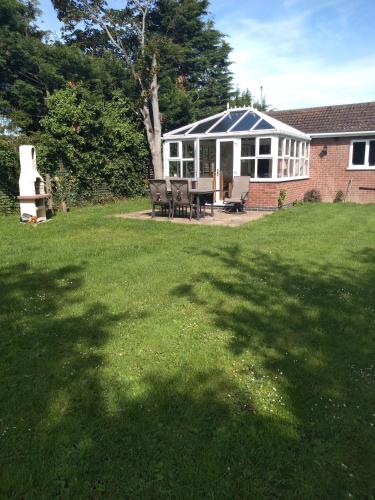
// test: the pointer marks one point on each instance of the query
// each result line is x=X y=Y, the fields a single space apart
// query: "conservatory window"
x=174 y=168
x=253 y=161
x=181 y=159
x=265 y=146
x=292 y=159
x=173 y=150
x=363 y=154
x=248 y=168
x=264 y=168
x=188 y=149
x=247 y=147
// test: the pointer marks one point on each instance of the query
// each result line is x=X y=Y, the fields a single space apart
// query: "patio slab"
x=220 y=218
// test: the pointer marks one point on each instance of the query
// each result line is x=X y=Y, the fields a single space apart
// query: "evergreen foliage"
x=95 y=141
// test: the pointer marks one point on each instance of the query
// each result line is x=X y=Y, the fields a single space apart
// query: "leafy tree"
x=31 y=69
x=244 y=98
x=95 y=141
x=171 y=44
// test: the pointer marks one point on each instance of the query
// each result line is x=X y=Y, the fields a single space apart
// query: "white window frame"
x=179 y=159
x=258 y=156
x=298 y=155
x=366 y=165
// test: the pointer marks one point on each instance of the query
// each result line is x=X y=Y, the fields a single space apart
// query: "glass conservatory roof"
x=238 y=121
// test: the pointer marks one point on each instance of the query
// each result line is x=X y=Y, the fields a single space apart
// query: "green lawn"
x=154 y=360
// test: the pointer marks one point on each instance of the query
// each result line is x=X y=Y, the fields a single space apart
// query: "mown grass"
x=152 y=360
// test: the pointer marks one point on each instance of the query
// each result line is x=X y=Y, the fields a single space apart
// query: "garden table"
x=198 y=193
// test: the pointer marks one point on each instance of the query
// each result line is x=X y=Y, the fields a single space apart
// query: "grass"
x=153 y=360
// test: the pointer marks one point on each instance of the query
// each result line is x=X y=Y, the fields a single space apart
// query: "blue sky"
x=303 y=52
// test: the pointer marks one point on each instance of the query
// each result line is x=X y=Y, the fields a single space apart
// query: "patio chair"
x=239 y=196
x=159 y=196
x=181 y=197
x=169 y=178
x=206 y=183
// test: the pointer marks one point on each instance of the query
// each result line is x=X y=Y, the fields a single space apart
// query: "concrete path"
x=220 y=218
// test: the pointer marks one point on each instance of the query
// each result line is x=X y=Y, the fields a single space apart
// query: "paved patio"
x=220 y=218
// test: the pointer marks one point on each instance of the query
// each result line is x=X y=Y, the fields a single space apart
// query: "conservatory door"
x=224 y=171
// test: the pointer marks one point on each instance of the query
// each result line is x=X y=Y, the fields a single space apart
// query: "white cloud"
x=299 y=61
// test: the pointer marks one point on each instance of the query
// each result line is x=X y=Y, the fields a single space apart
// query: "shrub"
x=312 y=196
x=339 y=197
x=281 y=199
x=95 y=144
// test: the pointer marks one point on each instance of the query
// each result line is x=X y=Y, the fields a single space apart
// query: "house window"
x=173 y=150
x=363 y=154
x=256 y=159
x=293 y=159
x=181 y=159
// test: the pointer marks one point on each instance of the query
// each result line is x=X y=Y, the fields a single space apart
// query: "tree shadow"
x=70 y=429
x=311 y=329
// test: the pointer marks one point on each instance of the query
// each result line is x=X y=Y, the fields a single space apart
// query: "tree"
x=95 y=141
x=171 y=44
x=129 y=36
x=240 y=99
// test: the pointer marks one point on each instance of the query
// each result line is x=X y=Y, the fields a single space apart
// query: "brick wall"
x=266 y=194
x=329 y=173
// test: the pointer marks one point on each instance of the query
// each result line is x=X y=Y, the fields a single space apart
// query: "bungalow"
x=329 y=148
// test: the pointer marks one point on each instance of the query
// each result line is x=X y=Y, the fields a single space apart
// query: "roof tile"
x=329 y=119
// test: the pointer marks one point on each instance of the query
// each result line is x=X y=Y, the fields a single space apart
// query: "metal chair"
x=159 y=196
x=239 y=196
x=169 y=178
x=206 y=183
x=181 y=197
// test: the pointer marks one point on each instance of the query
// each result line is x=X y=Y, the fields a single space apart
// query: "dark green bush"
x=312 y=196
x=339 y=197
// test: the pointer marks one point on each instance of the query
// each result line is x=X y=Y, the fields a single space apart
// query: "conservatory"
x=238 y=141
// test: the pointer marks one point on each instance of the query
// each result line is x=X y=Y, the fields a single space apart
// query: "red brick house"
x=330 y=148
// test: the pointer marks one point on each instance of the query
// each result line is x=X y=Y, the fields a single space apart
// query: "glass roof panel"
x=263 y=125
x=201 y=128
x=183 y=131
x=227 y=122
x=246 y=123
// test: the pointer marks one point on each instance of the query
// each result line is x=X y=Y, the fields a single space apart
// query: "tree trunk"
x=153 y=125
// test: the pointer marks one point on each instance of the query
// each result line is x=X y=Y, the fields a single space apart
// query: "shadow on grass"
x=66 y=432
x=311 y=328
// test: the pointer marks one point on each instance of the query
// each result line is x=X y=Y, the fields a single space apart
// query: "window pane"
x=305 y=168
x=371 y=158
x=359 y=149
x=174 y=168
x=303 y=148
x=287 y=147
x=301 y=167
x=246 y=123
x=264 y=168
x=263 y=125
x=228 y=121
x=280 y=153
x=264 y=146
x=173 y=149
x=298 y=145
x=285 y=168
x=187 y=169
x=248 y=168
x=296 y=168
x=291 y=168
x=247 y=147
x=188 y=149
x=203 y=127
x=280 y=164
x=292 y=147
